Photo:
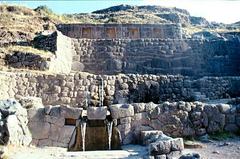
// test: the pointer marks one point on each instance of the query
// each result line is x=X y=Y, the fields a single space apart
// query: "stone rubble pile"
x=162 y=146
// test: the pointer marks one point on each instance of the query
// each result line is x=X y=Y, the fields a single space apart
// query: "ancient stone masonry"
x=28 y=60
x=157 y=56
x=121 y=31
x=71 y=89
x=49 y=125
x=115 y=48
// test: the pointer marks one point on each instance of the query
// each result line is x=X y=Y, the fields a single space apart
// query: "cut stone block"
x=121 y=111
x=96 y=113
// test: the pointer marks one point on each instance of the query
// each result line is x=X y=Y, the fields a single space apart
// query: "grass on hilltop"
x=26 y=49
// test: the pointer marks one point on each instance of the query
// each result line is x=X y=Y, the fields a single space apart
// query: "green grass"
x=221 y=136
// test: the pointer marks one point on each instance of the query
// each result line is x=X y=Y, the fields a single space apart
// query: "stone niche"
x=157 y=32
x=86 y=32
x=133 y=33
x=96 y=137
x=111 y=33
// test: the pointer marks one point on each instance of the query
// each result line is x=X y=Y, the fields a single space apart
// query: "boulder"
x=190 y=156
x=13 y=127
x=224 y=108
x=160 y=147
x=121 y=111
x=146 y=137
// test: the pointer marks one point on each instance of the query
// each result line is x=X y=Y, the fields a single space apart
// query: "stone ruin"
x=110 y=85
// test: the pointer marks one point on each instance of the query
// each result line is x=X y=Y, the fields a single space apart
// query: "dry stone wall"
x=49 y=128
x=71 y=89
x=175 y=119
x=157 y=56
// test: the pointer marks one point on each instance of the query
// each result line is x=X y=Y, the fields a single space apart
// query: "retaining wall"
x=157 y=56
x=71 y=89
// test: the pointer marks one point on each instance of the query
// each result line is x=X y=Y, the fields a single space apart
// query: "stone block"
x=125 y=120
x=39 y=130
x=160 y=157
x=174 y=155
x=146 y=136
x=54 y=132
x=121 y=111
x=139 y=107
x=160 y=147
x=70 y=112
x=224 y=108
x=45 y=142
x=66 y=133
x=96 y=113
x=177 y=144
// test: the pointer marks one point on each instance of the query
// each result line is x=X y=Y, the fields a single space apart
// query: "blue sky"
x=227 y=11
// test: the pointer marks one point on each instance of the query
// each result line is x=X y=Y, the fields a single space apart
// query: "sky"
x=226 y=11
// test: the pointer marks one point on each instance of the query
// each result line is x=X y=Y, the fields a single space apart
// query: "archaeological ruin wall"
x=157 y=56
x=71 y=89
x=121 y=31
x=146 y=55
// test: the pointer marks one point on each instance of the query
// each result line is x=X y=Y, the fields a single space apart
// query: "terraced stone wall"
x=157 y=56
x=73 y=89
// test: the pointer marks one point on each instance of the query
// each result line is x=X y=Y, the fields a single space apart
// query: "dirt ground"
x=225 y=149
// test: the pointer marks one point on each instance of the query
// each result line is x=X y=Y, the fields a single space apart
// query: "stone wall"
x=175 y=119
x=71 y=89
x=49 y=128
x=28 y=60
x=121 y=31
x=157 y=56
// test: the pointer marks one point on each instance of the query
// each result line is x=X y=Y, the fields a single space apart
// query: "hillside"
x=18 y=23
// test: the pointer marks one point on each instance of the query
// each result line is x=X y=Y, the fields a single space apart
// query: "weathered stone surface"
x=174 y=154
x=96 y=113
x=224 y=108
x=13 y=123
x=45 y=142
x=139 y=107
x=160 y=147
x=69 y=112
x=190 y=156
x=146 y=137
x=177 y=144
x=39 y=130
x=160 y=157
x=66 y=133
x=121 y=110
x=31 y=102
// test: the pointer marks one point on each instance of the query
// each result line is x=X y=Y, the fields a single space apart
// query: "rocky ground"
x=224 y=149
